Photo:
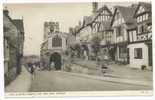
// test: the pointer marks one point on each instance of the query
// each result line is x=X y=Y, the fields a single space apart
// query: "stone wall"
x=78 y=68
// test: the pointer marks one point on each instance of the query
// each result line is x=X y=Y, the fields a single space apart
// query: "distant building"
x=54 y=45
x=140 y=37
x=30 y=59
x=13 y=47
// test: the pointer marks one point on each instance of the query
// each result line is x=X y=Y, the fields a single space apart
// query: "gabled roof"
x=19 y=24
x=147 y=7
x=126 y=12
x=88 y=20
x=131 y=26
x=104 y=8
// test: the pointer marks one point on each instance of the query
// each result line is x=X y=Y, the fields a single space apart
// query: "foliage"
x=95 y=44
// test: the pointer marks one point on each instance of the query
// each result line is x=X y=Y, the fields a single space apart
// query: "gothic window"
x=57 y=41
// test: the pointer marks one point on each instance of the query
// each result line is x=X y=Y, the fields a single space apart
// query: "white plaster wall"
x=125 y=34
x=114 y=33
x=137 y=63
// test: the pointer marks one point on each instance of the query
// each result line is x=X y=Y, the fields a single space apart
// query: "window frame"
x=55 y=42
x=138 y=53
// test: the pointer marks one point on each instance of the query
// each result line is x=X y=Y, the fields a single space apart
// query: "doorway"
x=56 y=59
x=150 y=54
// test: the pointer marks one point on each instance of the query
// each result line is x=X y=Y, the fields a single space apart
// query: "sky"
x=34 y=16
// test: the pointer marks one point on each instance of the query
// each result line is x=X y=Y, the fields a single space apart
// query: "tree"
x=78 y=49
x=95 y=44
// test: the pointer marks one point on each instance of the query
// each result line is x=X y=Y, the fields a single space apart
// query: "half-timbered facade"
x=121 y=21
x=104 y=29
x=140 y=38
x=101 y=21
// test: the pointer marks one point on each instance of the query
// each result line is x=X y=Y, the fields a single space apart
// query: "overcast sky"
x=35 y=15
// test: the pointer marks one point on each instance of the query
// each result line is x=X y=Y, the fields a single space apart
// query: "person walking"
x=32 y=70
x=52 y=66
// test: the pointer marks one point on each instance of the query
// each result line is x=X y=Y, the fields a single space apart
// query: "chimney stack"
x=95 y=7
x=5 y=11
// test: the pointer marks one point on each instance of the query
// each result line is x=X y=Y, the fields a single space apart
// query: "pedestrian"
x=98 y=61
x=29 y=67
x=32 y=70
x=52 y=66
x=85 y=55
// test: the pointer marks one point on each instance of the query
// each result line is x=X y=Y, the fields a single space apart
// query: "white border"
x=115 y=93
x=80 y=93
x=60 y=1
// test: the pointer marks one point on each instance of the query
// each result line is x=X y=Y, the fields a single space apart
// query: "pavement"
x=22 y=82
x=124 y=71
x=114 y=80
x=121 y=73
x=51 y=81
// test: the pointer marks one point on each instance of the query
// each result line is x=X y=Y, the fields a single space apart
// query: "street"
x=49 y=81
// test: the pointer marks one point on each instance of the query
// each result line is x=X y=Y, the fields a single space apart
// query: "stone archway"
x=56 y=59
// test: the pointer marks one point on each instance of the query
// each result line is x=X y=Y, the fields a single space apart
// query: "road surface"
x=51 y=81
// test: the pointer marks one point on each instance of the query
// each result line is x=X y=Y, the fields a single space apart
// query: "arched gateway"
x=53 y=46
x=56 y=59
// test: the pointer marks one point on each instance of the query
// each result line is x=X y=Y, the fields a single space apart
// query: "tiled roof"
x=88 y=20
x=104 y=8
x=147 y=6
x=19 y=24
x=127 y=13
x=131 y=26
